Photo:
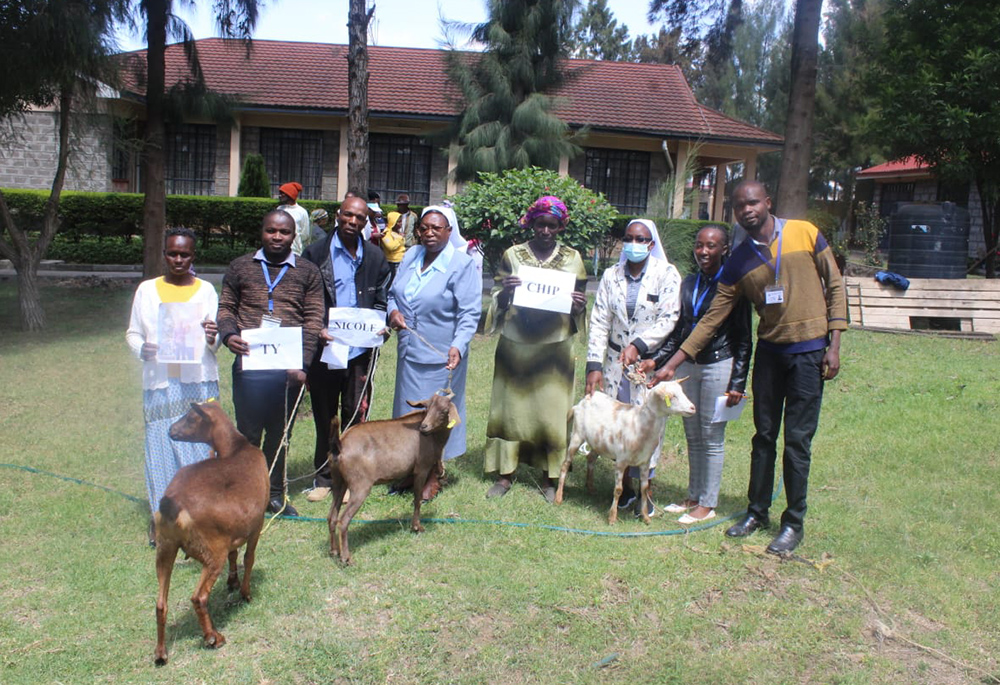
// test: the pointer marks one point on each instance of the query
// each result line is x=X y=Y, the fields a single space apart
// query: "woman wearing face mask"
x=638 y=302
x=720 y=369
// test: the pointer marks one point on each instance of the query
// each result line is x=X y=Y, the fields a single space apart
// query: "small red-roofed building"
x=912 y=180
x=641 y=121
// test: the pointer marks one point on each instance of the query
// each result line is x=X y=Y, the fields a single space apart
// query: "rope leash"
x=405 y=521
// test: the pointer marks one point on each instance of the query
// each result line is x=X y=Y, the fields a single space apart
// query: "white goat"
x=626 y=433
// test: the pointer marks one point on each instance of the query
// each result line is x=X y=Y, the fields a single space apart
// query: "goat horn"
x=681 y=380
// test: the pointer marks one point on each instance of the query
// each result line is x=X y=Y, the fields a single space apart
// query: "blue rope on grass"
x=402 y=521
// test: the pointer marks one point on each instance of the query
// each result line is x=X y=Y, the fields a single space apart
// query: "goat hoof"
x=160 y=659
x=245 y=596
x=214 y=641
x=417 y=528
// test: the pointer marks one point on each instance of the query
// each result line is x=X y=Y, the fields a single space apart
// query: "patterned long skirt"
x=164 y=457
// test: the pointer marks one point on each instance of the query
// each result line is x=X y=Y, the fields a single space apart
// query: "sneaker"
x=627 y=499
x=650 y=508
x=318 y=494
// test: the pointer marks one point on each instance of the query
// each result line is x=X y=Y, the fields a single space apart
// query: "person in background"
x=169 y=389
x=407 y=224
x=437 y=295
x=376 y=217
x=392 y=243
x=637 y=305
x=288 y=195
x=786 y=269
x=320 y=219
x=719 y=370
x=353 y=273
x=533 y=367
x=270 y=287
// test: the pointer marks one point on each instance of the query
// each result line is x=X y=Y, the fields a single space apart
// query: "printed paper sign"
x=724 y=412
x=273 y=348
x=356 y=327
x=546 y=289
x=180 y=337
x=335 y=355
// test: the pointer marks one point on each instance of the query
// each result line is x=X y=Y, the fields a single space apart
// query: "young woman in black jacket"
x=720 y=369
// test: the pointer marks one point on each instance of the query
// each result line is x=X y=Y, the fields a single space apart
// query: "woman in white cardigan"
x=637 y=306
x=184 y=370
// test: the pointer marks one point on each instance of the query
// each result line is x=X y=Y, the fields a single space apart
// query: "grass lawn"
x=903 y=522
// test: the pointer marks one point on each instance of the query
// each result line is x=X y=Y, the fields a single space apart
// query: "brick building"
x=642 y=121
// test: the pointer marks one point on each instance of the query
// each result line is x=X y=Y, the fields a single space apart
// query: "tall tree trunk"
x=793 y=185
x=24 y=254
x=154 y=207
x=989 y=203
x=357 y=84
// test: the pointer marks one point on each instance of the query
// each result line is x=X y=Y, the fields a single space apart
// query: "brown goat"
x=383 y=451
x=210 y=510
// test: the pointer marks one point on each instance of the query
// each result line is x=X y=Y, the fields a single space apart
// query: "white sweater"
x=142 y=328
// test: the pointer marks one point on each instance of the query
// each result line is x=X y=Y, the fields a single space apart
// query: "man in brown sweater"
x=270 y=288
x=786 y=269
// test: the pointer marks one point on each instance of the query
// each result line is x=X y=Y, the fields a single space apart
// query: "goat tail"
x=172 y=512
x=334 y=438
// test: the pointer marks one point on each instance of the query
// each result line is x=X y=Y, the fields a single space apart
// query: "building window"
x=622 y=175
x=893 y=193
x=399 y=164
x=190 y=159
x=293 y=155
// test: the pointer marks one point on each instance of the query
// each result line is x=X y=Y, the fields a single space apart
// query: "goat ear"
x=200 y=410
x=334 y=429
x=453 y=418
x=422 y=404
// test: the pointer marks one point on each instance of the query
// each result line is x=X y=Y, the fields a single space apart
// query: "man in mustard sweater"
x=786 y=269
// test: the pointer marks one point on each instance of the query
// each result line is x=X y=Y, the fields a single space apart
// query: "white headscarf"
x=446 y=210
x=656 y=248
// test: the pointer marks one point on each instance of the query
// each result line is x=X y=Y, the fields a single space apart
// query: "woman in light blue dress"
x=435 y=303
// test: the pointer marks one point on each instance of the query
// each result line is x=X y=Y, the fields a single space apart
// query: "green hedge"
x=235 y=220
x=677 y=236
x=94 y=250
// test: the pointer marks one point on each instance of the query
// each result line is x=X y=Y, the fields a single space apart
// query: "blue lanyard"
x=271 y=286
x=777 y=261
x=696 y=301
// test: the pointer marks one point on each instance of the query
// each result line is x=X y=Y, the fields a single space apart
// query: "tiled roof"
x=613 y=96
x=908 y=166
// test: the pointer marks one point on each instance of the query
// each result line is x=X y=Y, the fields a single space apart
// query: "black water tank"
x=929 y=240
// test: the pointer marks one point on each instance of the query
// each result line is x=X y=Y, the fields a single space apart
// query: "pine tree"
x=508 y=121
x=253 y=179
x=598 y=35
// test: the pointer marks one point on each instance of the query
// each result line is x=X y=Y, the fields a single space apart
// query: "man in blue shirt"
x=355 y=274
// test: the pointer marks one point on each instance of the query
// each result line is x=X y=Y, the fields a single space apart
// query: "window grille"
x=399 y=164
x=293 y=155
x=622 y=175
x=190 y=159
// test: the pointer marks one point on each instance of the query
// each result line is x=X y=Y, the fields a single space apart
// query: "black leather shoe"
x=786 y=541
x=748 y=525
x=276 y=504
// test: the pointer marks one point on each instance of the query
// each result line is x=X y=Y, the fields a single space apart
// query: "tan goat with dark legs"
x=626 y=433
x=209 y=510
x=384 y=451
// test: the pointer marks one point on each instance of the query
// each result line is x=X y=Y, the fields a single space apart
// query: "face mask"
x=635 y=252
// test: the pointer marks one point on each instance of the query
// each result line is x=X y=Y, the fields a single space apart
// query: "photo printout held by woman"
x=172 y=330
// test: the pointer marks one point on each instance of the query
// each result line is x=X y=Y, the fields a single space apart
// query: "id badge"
x=268 y=321
x=774 y=294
